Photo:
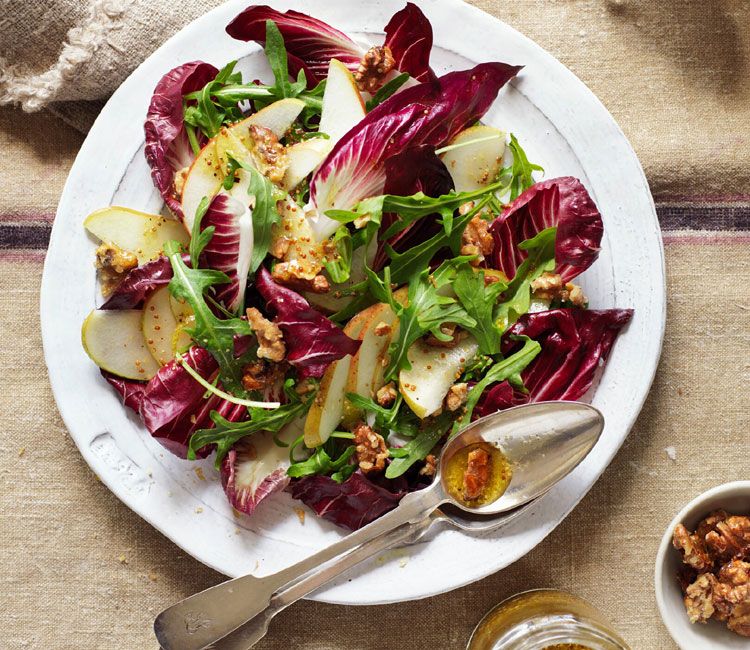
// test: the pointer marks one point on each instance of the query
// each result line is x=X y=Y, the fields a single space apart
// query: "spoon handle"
x=248 y=634
x=203 y=618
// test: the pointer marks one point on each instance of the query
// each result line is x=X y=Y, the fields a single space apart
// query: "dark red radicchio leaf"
x=562 y=202
x=575 y=344
x=313 y=341
x=428 y=113
x=243 y=489
x=310 y=43
x=172 y=404
x=408 y=34
x=137 y=284
x=351 y=504
x=167 y=147
x=416 y=169
x=230 y=248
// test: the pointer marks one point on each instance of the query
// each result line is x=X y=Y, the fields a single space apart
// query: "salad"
x=350 y=266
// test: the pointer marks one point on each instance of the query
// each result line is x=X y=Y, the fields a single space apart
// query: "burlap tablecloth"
x=79 y=570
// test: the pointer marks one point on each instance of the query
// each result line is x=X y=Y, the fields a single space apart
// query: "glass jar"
x=545 y=619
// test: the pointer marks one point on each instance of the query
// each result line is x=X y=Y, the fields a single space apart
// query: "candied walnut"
x=549 y=286
x=709 y=523
x=456 y=396
x=269 y=153
x=730 y=539
x=449 y=329
x=370 y=449
x=477 y=240
x=305 y=386
x=477 y=474
x=731 y=594
x=280 y=247
x=699 y=598
x=692 y=547
x=739 y=619
x=387 y=395
x=382 y=329
x=262 y=375
x=270 y=339
x=113 y=263
x=377 y=62
x=291 y=275
x=430 y=466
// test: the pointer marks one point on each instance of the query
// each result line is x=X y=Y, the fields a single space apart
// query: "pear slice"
x=304 y=158
x=475 y=164
x=342 y=102
x=433 y=371
x=328 y=407
x=114 y=341
x=137 y=232
x=159 y=326
x=207 y=172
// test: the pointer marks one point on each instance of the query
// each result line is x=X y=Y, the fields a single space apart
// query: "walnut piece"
x=477 y=474
x=456 y=396
x=449 y=329
x=370 y=449
x=269 y=154
x=699 y=598
x=477 y=240
x=382 y=329
x=730 y=539
x=291 y=275
x=377 y=62
x=549 y=286
x=430 y=466
x=262 y=375
x=387 y=395
x=113 y=263
x=270 y=339
x=692 y=547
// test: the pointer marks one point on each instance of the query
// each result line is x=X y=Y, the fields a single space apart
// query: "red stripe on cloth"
x=35 y=256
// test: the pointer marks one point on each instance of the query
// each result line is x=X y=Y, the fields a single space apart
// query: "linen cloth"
x=79 y=570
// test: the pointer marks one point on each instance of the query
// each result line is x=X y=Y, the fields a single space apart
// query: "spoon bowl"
x=543 y=442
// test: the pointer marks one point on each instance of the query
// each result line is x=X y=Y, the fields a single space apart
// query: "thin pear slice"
x=304 y=158
x=433 y=371
x=159 y=326
x=371 y=351
x=137 y=232
x=478 y=160
x=328 y=407
x=343 y=107
x=114 y=341
x=207 y=172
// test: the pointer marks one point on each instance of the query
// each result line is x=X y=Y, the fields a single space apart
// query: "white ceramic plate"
x=562 y=126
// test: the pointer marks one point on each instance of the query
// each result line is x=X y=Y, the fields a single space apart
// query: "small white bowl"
x=735 y=499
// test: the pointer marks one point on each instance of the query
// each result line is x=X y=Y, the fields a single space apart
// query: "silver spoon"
x=543 y=443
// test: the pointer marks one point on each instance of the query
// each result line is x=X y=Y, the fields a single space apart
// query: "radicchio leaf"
x=428 y=113
x=167 y=147
x=313 y=342
x=562 y=202
x=244 y=489
x=137 y=284
x=575 y=344
x=310 y=43
x=172 y=404
x=351 y=504
x=408 y=34
x=230 y=248
x=416 y=169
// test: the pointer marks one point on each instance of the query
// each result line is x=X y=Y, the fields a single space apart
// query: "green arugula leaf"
x=509 y=369
x=386 y=90
x=386 y=419
x=479 y=302
x=265 y=215
x=541 y=258
x=277 y=58
x=340 y=269
x=321 y=463
x=209 y=332
x=207 y=115
x=199 y=239
x=521 y=171
x=418 y=448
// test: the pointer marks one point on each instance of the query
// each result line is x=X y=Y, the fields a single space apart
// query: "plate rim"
x=47 y=304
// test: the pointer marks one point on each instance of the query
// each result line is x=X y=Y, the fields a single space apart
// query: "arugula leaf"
x=276 y=54
x=321 y=463
x=340 y=269
x=521 y=170
x=418 y=448
x=199 y=239
x=479 y=302
x=509 y=369
x=207 y=115
x=427 y=309
x=265 y=215
x=225 y=434
x=386 y=90
x=209 y=332
x=541 y=258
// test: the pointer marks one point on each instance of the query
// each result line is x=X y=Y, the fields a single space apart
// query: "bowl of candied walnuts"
x=703 y=571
